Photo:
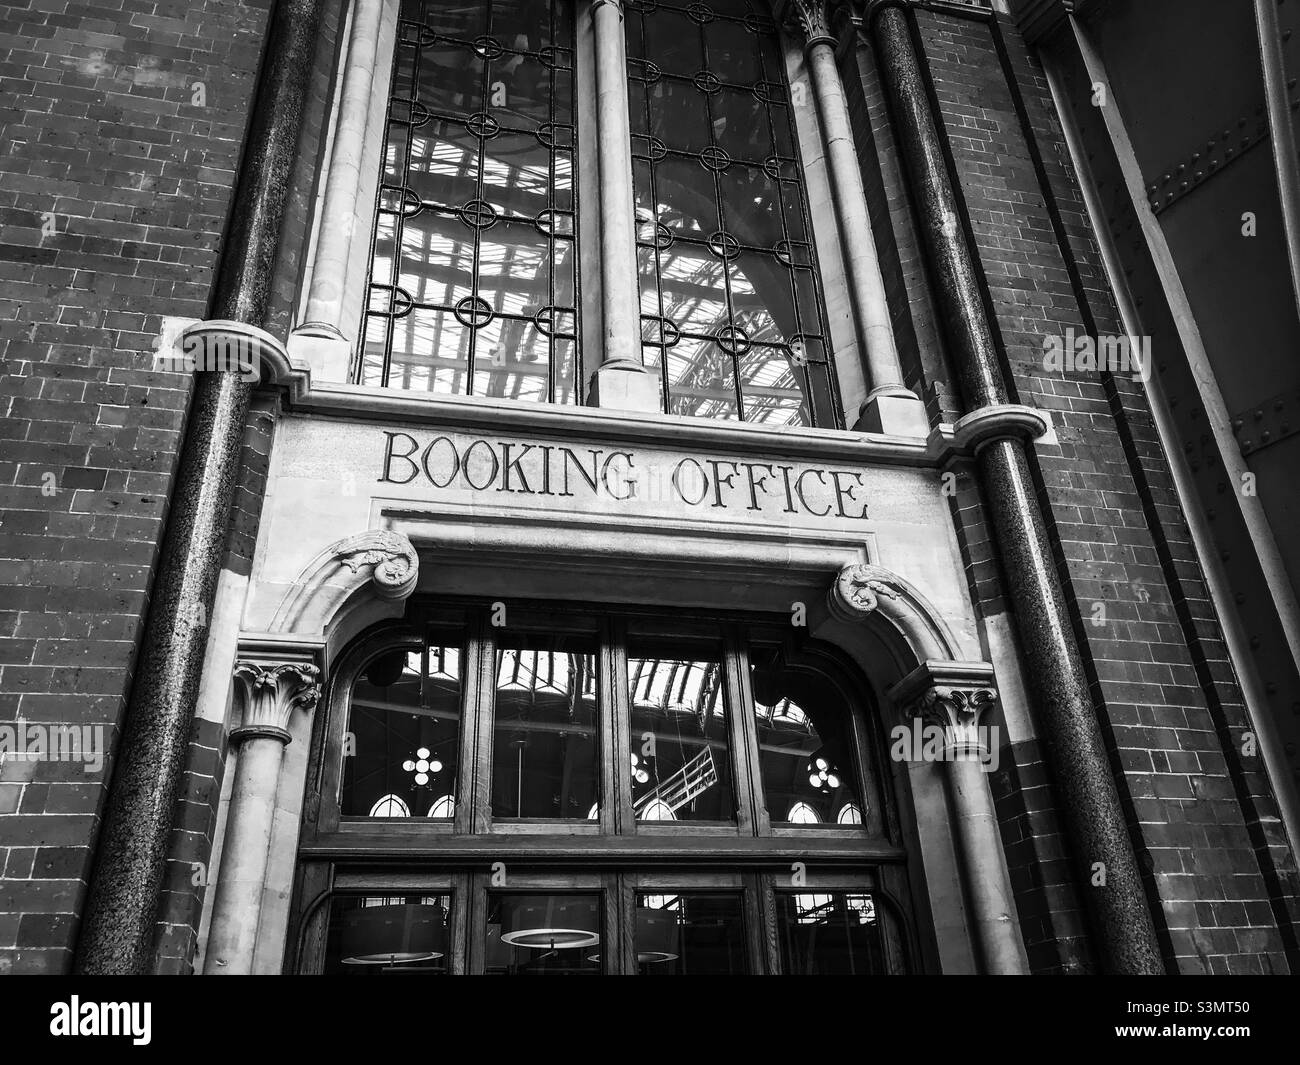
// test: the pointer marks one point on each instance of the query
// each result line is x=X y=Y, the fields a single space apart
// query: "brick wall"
x=123 y=126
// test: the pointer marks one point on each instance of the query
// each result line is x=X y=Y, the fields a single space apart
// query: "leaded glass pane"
x=477 y=214
x=730 y=304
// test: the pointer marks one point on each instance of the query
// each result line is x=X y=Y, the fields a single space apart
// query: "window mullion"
x=462 y=928
x=474 y=807
x=751 y=808
x=616 y=814
x=760 y=913
x=871 y=785
x=476 y=916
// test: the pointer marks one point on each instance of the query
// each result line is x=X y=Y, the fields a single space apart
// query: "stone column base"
x=625 y=387
x=325 y=350
x=894 y=412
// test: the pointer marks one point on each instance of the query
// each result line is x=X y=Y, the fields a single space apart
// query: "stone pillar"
x=954 y=700
x=339 y=211
x=622 y=380
x=952 y=696
x=889 y=406
x=996 y=431
x=118 y=921
x=270 y=691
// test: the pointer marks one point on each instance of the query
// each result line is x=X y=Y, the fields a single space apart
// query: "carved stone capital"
x=857 y=591
x=270 y=692
x=957 y=711
x=953 y=696
x=813 y=18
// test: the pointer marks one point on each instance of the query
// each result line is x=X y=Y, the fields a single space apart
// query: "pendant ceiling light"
x=554 y=922
x=657 y=936
x=393 y=935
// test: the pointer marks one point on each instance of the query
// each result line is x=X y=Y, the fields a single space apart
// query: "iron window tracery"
x=474 y=277
x=731 y=305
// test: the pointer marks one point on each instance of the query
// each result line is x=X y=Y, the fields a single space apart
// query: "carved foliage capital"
x=813 y=17
x=956 y=710
x=271 y=692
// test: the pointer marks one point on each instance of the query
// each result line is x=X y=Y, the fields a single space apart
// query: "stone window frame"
x=331 y=351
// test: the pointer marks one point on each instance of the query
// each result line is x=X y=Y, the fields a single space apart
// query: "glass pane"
x=740 y=124
x=772 y=386
x=804 y=745
x=387 y=935
x=690 y=935
x=444 y=162
x=681 y=758
x=543 y=935
x=702 y=381
x=732 y=48
x=673 y=41
x=405 y=722
x=545 y=749
x=437 y=263
x=829 y=934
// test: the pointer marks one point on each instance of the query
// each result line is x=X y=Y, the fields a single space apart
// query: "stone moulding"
x=998 y=422
x=381 y=561
x=864 y=592
x=265 y=357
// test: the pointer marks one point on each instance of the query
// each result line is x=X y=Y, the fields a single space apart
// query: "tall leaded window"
x=474 y=275
x=730 y=302
x=473 y=284
x=578 y=792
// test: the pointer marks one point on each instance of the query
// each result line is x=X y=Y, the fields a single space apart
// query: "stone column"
x=622 y=380
x=889 y=406
x=995 y=430
x=955 y=704
x=269 y=694
x=117 y=928
x=953 y=696
x=339 y=212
